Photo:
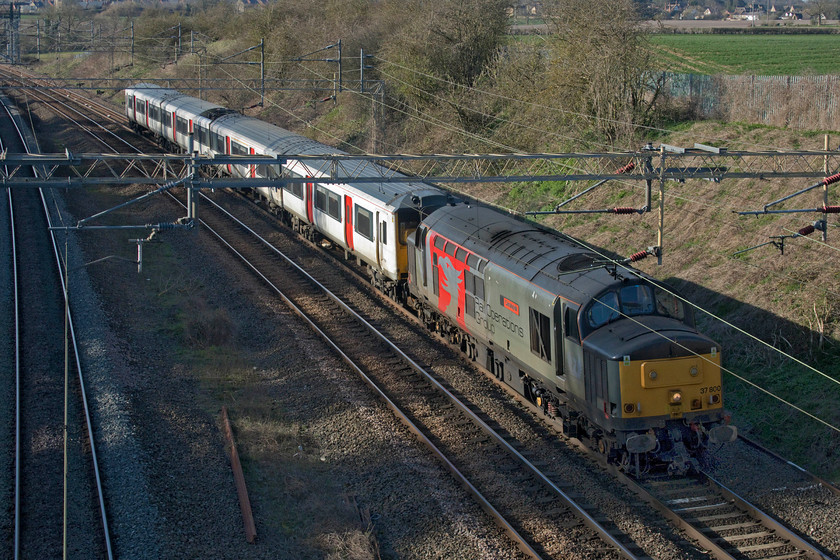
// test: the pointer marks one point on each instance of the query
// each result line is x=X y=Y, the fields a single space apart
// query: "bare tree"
x=601 y=67
x=451 y=39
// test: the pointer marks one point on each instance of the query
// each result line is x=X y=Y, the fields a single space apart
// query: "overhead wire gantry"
x=653 y=166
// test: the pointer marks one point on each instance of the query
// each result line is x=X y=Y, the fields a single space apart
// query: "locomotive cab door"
x=572 y=351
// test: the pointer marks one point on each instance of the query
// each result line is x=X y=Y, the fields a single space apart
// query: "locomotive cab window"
x=540 y=334
x=635 y=300
x=670 y=305
x=603 y=310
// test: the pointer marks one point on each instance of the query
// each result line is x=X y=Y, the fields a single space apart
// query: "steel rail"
x=72 y=332
x=13 y=243
x=587 y=519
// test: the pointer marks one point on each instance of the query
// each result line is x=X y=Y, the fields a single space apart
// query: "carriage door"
x=379 y=242
x=227 y=152
x=310 y=200
x=348 y=222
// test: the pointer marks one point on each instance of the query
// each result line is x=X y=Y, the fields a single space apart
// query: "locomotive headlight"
x=652 y=375
x=694 y=371
x=676 y=397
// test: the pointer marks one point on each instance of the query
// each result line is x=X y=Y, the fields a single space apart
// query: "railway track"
x=538 y=510
x=59 y=504
x=721 y=541
x=721 y=522
x=724 y=523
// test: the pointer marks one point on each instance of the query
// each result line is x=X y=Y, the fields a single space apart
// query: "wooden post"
x=825 y=191
x=660 y=238
x=239 y=481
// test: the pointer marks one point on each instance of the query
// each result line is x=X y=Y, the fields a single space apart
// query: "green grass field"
x=760 y=55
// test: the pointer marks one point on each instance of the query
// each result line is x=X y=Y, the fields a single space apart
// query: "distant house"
x=33 y=7
x=792 y=13
x=242 y=5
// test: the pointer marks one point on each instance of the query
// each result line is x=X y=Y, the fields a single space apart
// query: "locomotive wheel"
x=603 y=446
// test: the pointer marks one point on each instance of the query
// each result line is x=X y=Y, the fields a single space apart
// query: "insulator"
x=807 y=230
x=624 y=210
x=830 y=209
x=630 y=166
x=832 y=179
x=635 y=257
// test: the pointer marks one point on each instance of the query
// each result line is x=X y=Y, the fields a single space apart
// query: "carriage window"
x=154 y=113
x=141 y=108
x=295 y=188
x=167 y=120
x=217 y=142
x=238 y=149
x=327 y=201
x=200 y=134
x=440 y=242
x=364 y=222
x=182 y=125
x=540 y=334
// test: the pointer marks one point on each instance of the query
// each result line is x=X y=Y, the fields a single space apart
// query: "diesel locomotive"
x=603 y=349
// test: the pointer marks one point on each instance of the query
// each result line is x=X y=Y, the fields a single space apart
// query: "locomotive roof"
x=550 y=260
